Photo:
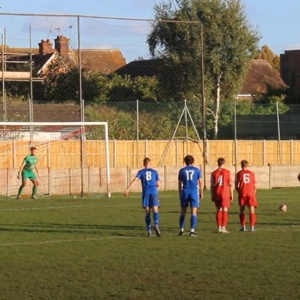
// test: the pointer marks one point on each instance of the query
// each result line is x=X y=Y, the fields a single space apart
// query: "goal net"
x=73 y=157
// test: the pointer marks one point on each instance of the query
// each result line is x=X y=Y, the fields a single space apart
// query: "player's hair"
x=221 y=161
x=244 y=163
x=32 y=148
x=189 y=160
x=146 y=161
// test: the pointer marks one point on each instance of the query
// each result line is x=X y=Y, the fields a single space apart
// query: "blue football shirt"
x=148 y=178
x=189 y=177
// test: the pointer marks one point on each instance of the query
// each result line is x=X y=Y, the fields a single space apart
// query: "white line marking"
x=69 y=241
x=277 y=228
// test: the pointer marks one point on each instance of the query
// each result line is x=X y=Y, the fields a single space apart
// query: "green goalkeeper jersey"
x=30 y=162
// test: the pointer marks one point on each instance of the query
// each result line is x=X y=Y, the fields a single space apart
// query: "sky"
x=277 y=21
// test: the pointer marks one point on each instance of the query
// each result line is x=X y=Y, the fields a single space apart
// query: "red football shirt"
x=221 y=182
x=245 y=181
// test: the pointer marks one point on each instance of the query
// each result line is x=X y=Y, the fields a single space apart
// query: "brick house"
x=259 y=77
x=290 y=67
x=105 y=61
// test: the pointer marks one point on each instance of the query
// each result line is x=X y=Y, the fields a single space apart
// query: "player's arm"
x=37 y=171
x=254 y=184
x=133 y=181
x=236 y=183
x=231 y=188
x=212 y=188
x=157 y=180
x=21 y=169
x=200 y=184
x=179 y=187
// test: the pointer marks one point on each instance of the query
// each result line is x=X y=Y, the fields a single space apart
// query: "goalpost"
x=73 y=157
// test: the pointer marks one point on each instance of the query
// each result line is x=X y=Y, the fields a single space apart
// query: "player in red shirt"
x=245 y=185
x=221 y=194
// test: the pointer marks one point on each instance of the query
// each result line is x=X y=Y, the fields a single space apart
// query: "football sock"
x=242 y=219
x=224 y=218
x=193 y=221
x=20 y=190
x=252 y=220
x=156 y=217
x=148 y=221
x=219 y=218
x=181 y=221
x=34 y=190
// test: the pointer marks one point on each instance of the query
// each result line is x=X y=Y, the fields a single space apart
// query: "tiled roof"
x=105 y=61
x=260 y=76
x=147 y=67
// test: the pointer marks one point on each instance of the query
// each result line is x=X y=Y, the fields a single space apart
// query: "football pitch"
x=97 y=248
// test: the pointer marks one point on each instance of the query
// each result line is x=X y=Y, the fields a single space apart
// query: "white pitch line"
x=277 y=228
x=68 y=241
x=76 y=206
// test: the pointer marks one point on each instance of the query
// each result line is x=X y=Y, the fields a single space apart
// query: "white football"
x=283 y=207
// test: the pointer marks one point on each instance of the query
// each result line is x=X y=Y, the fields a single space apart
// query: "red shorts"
x=247 y=201
x=221 y=201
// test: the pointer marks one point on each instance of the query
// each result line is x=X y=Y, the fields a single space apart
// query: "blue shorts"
x=150 y=200
x=188 y=198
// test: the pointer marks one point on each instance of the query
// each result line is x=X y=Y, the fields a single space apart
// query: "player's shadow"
x=282 y=224
x=87 y=229
x=188 y=212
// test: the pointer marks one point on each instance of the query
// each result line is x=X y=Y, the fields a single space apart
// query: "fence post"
x=49 y=181
x=264 y=152
x=270 y=176
x=127 y=176
x=291 y=152
x=115 y=153
x=165 y=178
x=146 y=148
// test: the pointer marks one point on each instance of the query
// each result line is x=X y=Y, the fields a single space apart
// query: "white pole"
x=107 y=160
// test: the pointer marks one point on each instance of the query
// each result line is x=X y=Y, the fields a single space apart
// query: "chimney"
x=62 y=45
x=45 y=47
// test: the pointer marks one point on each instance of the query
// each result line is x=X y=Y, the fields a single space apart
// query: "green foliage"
x=226 y=121
x=125 y=88
x=155 y=120
x=229 y=44
x=121 y=124
x=95 y=87
x=266 y=53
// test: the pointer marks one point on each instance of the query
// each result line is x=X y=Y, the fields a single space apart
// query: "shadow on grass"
x=87 y=229
x=92 y=229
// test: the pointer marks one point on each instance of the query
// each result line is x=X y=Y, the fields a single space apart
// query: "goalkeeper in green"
x=26 y=171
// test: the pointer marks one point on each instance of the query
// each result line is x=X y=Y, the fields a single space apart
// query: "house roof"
x=105 y=61
x=147 y=67
x=261 y=75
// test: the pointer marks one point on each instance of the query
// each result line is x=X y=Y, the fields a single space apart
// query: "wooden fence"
x=67 y=154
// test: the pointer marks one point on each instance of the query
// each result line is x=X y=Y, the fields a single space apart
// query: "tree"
x=62 y=84
x=229 y=45
x=266 y=53
x=125 y=88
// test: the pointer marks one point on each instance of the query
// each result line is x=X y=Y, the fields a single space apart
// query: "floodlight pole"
x=203 y=106
x=81 y=109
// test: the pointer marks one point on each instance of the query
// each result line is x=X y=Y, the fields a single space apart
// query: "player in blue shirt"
x=190 y=190
x=150 y=181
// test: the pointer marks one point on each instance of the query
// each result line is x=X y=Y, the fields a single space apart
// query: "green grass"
x=88 y=248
